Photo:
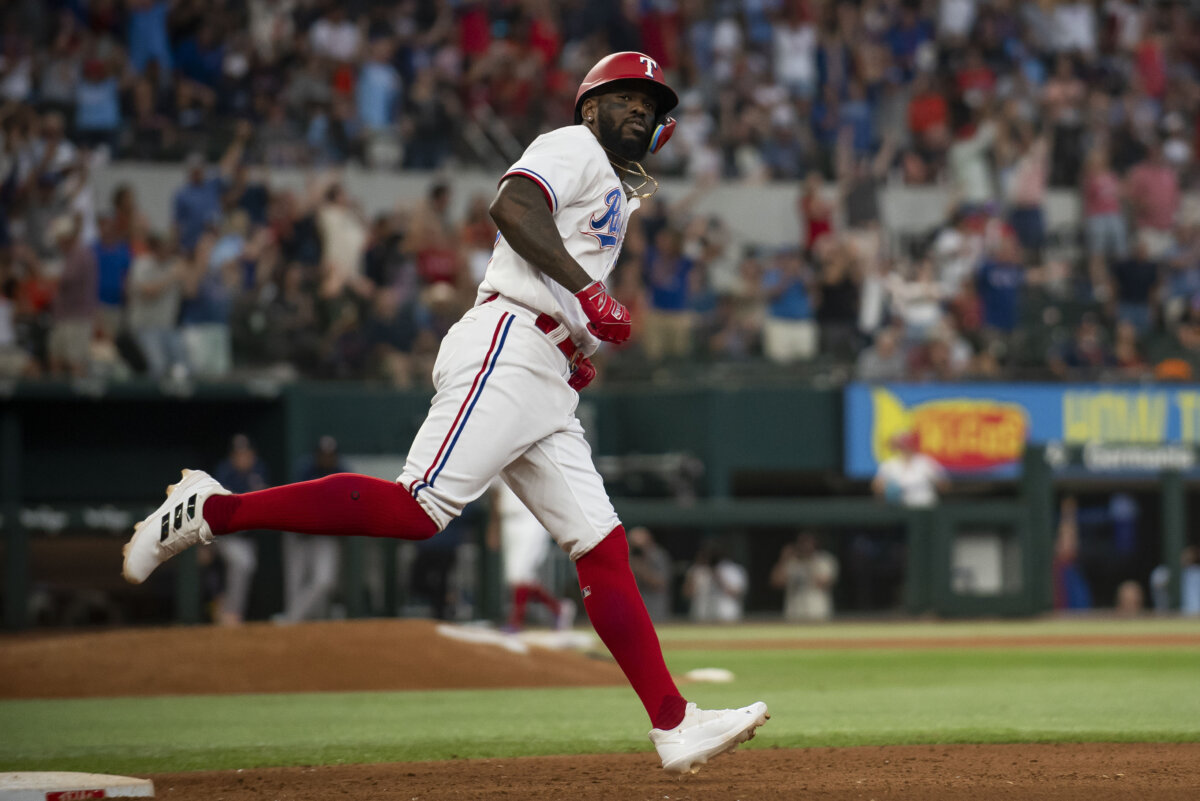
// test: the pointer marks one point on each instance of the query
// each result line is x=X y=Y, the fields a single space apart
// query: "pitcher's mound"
x=264 y=658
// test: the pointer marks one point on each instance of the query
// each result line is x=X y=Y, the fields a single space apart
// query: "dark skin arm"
x=520 y=212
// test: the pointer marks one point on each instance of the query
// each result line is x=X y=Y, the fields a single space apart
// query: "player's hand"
x=582 y=375
x=610 y=320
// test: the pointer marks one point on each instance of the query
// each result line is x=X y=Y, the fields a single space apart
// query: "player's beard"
x=619 y=138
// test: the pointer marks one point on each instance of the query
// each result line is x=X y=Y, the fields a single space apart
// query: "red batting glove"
x=582 y=375
x=609 y=319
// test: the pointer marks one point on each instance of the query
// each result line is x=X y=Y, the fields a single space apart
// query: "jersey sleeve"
x=558 y=165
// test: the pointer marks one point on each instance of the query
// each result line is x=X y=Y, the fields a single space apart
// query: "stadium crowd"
x=998 y=101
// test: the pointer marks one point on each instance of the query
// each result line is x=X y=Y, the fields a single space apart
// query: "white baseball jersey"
x=916 y=478
x=591 y=211
x=503 y=406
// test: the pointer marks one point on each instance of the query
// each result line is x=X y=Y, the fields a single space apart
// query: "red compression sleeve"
x=619 y=616
x=344 y=504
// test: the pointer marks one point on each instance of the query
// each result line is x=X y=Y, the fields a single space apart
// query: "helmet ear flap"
x=662 y=132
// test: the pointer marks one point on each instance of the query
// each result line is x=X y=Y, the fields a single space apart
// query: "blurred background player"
x=909 y=478
x=310 y=564
x=240 y=471
x=524 y=544
x=716 y=585
x=651 y=565
x=806 y=574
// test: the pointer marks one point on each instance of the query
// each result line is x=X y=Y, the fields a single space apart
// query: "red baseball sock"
x=519 y=598
x=538 y=593
x=619 y=616
x=344 y=504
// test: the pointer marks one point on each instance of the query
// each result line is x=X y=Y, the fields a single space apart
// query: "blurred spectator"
x=1190 y=581
x=1103 y=221
x=908 y=477
x=1085 y=353
x=1136 y=286
x=916 y=300
x=1127 y=352
x=378 y=87
x=668 y=320
x=815 y=211
x=956 y=251
x=310 y=564
x=154 y=290
x=240 y=471
x=113 y=260
x=432 y=242
x=1152 y=189
x=148 y=37
x=76 y=304
x=806 y=574
x=343 y=234
x=884 y=359
x=970 y=166
x=210 y=282
x=838 y=291
x=1027 y=195
x=1000 y=279
x=1071 y=589
x=97 y=105
x=651 y=565
x=716 y=586
x=789 y=330
x=1131 y=599
x=198 y=204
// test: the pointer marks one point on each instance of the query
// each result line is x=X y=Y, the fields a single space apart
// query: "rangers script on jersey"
x=591 y=212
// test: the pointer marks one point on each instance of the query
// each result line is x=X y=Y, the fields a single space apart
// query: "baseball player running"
x=507 y=378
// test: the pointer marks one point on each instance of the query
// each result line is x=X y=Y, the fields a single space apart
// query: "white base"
x=59 y=786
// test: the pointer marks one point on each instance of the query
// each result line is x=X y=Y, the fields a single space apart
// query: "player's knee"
x=610 y=552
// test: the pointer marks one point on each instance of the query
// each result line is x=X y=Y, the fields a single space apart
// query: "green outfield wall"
x=89 y=456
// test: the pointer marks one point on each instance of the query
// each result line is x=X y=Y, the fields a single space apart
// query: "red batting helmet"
x=632 y=66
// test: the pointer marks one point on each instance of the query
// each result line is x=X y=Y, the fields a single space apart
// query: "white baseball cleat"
x=705 y=733
x=174 y=526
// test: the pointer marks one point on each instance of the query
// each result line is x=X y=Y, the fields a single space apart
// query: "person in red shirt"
x=1152 y=187
x=815 y=211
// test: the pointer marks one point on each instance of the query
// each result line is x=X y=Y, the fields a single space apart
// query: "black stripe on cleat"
x=191 y=507
x=166 y=527
x=179 y=515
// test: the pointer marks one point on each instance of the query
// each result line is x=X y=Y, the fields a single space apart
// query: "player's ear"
x=588 y=109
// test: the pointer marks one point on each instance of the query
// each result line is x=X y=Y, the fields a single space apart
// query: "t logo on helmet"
x=651 y=65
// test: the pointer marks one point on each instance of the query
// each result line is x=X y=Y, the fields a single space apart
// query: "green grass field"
x=818 y=697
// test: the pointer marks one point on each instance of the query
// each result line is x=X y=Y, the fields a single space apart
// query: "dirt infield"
x=407 y=654
x=913 y=773
x=314 y=657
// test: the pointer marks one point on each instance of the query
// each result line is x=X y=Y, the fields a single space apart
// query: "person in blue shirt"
x=789 y=330
x=1000 y=279
x=147 y=31
x=113 y=260
x=669 y=321
x=197 y=205
x=200 y=57
x=244 y=470
x=97 y=106
x=378 y=90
